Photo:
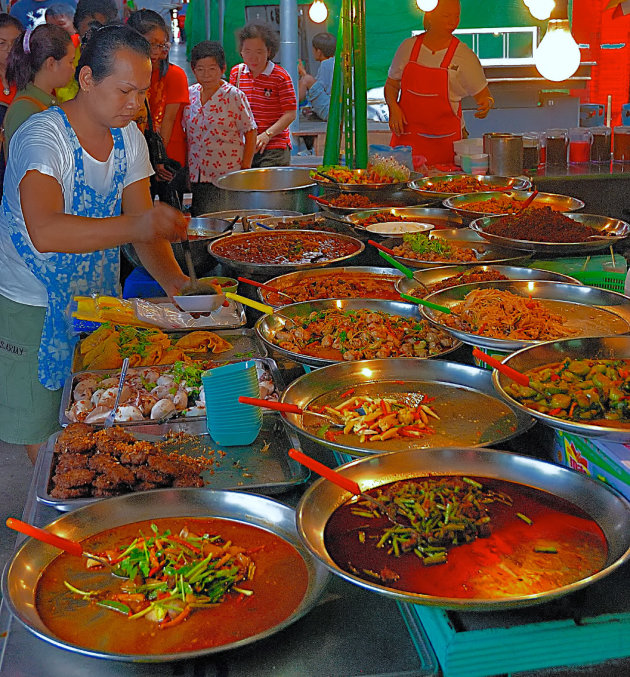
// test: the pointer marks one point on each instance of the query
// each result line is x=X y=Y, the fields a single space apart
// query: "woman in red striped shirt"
x=270 y=93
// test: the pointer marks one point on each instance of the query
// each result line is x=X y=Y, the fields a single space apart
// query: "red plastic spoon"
x=516 y=376
x=378 y=245
x=267 y=287
x=288 y=408
x=529 y=200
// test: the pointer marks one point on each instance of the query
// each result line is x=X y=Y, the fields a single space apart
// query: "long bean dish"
x=421 y=248
x=284 y=248
x=361 y=335
x=379 y=170
x=584 y=391
x=541 y=224
x=491 y=538
x=503 y=315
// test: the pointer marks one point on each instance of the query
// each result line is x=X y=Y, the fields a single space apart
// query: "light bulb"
x=427 y=5
x=318 y=12
x=540 y=9
x=558 y=55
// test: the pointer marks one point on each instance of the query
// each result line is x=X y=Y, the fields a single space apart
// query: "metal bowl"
x=283 y=281
x=425 y=186
x=271 y=269
x=22 y=573
x=267 y=326
x=440 y=218
x=556 y=351
x=589 y=310
x=614 y=230
x=465 y=204
x=431 y=276
x=604 y=505
x=251 y=214
x=470 y=413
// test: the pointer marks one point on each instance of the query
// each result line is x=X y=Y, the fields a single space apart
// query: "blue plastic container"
x=592 y=115
x=625 y=114
x=140 y=285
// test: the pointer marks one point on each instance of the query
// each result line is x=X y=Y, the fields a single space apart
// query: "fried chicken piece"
x=71 y=461
x=75 y=444
x=137 y=454
x=79 y=492
x=165 y=465
x=73 y=478
x=103 y=483
x=189 y=480
x=146 y=486
x=106 y=440
x=145 y=474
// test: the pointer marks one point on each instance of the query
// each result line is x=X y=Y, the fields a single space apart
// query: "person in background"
x=10 y=29
x=270 y=93
x=428 y=77
x=220 y=127
x=166 y=98
x=181 y=21
x=77 y=187
x=317 y=90
x=40 y=61
x=87 y=13
x=61 y=14
x=30 y=13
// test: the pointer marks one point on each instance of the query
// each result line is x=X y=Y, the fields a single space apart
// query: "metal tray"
x=470 y=412
x=264 y=365
x=431 y=276
x=283 y=281
x=268 y=325
x=615 y=230
x=608 y=508
x=440 y=218
x=244 y=342
x=561 y=203
x=246 y=468
x=272 y=269
x=467 y=239
x=20 y=577
x=425 y=185
x=590 y=310
x=361 y=187
x=556 y=351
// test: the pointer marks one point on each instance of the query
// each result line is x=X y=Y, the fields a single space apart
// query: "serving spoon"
x=289 y=409
x=267 y=287
x=262 y=307
x=517 y=376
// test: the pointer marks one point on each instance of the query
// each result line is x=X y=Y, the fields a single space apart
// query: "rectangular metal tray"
x=246 y=468
x=262 y=364
x=225 y=317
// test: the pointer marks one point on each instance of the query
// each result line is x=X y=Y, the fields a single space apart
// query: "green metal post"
x=335 y=112
x=348 y=103
x=360 y=84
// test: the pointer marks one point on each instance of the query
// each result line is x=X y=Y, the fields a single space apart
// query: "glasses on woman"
x=160 y=46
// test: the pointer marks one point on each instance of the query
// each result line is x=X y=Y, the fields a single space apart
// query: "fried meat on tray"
x=111 y=462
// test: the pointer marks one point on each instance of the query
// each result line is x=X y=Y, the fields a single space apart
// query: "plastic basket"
x=602 y=279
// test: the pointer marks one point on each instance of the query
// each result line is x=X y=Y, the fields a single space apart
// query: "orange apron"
x=431 y=126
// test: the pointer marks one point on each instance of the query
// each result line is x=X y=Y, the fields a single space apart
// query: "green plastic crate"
x=602 y=279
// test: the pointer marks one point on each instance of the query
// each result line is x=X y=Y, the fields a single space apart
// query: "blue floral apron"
x=67 y=275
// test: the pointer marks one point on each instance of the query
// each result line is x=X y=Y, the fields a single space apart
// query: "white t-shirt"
x=41 y=143
x=465 y=74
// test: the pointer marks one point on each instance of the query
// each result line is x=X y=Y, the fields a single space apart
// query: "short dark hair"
x=90 y=8
x=8 y=20
x=43 y=42
x=208 y=49
x=99 y=51
x=263 y=31
x=146 y=20
x=59 y=9
x=326 y=43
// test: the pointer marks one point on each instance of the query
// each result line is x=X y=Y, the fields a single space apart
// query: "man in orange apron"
x=430 y=74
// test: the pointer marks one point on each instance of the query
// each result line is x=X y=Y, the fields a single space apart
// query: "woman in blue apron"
x=76 y=187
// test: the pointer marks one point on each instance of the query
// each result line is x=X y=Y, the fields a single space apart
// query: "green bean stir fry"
x=578 y=390
x=168 y=575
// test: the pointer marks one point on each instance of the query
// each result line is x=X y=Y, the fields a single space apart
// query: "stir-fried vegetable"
x=578 y=390
x=169 y=575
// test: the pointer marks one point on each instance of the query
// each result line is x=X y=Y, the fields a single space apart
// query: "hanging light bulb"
x=540 y=9
x=427 y=5
x=557 y=56
x=318 y=12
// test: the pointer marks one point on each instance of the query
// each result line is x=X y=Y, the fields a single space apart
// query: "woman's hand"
x=484 y=103
x=173 y=286
x=301 y=69
x=397 y=119
x=161 y=223
x=261 y=141
x=164 y=174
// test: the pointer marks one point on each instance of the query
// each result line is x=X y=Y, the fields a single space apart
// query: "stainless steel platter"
x=20 y=577
x=604 y=505
x=588 y=310
x=273 y=269
x=431 y=276
x=290 y=279
x=464 y=204
x=426 y=185
x=466 y=239
x=470 y=413
x=268 y=325
x=280 y=222
x=441 y=218
x=613 y=230
x=262 y=466
x=384 y=188
x=251 y=215
x=555 y=351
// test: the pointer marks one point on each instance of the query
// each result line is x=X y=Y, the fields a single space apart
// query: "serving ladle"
x=289 y=409
x=516 y=376
x=386 y=253
x=267 y=287
x=262 y=307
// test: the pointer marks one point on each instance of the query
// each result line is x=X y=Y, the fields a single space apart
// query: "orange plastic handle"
x=517 y=376
x=278 y=406
x=387 y=250
x=73 y=547
x=325 y=471
x=262 y=285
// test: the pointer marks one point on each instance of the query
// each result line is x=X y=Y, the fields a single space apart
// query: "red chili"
x=555 y=377
x=181 y=541
x=554 y=412
x=348 y=392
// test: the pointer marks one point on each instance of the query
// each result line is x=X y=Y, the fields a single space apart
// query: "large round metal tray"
x=470 y=413
x=604 y=505
x=230 y=214
x=464 y=204
x=465 y=238
x=362 y=187
x=272 y=269
x=431 y=276
x=283 y=281
x=614 y=230
x=22 y=573
x=556 y=351
x=589 y=310
x=267 y=326
x=425 y=186
x=440 y=218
